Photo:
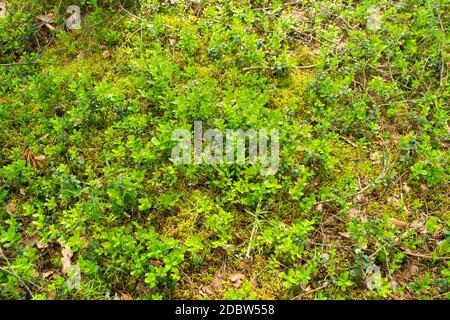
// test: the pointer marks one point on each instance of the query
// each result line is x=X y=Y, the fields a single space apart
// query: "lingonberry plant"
x=93 y=205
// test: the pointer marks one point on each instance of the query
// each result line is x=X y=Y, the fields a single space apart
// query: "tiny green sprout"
x=344 y=282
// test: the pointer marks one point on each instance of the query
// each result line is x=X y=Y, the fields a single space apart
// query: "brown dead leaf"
x=217 y=281
x=27 y=155
x=41 y=245
x=345 y=234
x=106 y=55
x=413 y=270
x=353 y=213
x=398 y=223
x=361 y=198
x=47 y=18
x=122 y=296
x=419 y=226
x=406 y=188
x=40 y=158
x=81 y=55
x=2 y=9
x=395 y=201
x=10 y=206
x=47 y=274
x=23 y=192
x=300 y=15
x=373 y=277
x=38 y=161
x=67 y=254
x=126 y=296
x=237 y=277
x=206 y=291
x=30 y=158
x=156 y=263
x=438 y=234
x=215 y=285
x=375 y=157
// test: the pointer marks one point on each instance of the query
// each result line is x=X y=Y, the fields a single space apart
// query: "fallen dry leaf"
x=206 y=291
x=217 y=283
x=395 y=201
x=47 y=274
x=72 y=271
x=406 y=188
x=2 y=9
x=67 y=254
x=27 y=155
x=126 y=296
x=156 y=263
x=30 y=158
x=438 y=234
x=398 y=223
x=373 y=277
x=325 y=257
x=106 y=54
x=10 y=206
x=344 y=234
x=74 y=277
x=40 y=158
x=47 y=18
x=353 y=213
x=41 y=245
x=374 y=18
x=237 y=277
x=375 y=157
x=81 y=55
x=37 y=163
x=122 y=296
x=413 y=270
x=419 y=226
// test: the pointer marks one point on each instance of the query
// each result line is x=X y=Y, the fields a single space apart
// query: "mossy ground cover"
x=91 y=206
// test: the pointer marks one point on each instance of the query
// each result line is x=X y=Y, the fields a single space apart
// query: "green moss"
x=363 y=139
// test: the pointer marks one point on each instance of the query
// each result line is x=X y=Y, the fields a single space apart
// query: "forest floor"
x=93 y=207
